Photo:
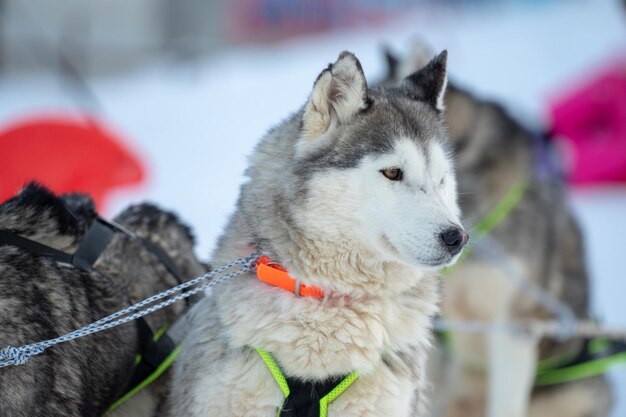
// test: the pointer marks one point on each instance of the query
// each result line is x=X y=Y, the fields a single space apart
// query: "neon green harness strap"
x=596 y=357
x=336 y=392
x=164 y=366
x=509 y=201
x=587 y=369
x=504 y=207
x=274 y=369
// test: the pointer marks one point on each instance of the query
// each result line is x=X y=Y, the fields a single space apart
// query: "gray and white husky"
x=355 y=194
x=539 y=240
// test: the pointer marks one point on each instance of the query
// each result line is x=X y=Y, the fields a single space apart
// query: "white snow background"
x=195 y=124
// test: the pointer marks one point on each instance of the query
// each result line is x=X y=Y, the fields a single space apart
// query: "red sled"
x=67 y=155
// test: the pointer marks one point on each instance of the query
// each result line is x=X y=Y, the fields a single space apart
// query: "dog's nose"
x=454 y=239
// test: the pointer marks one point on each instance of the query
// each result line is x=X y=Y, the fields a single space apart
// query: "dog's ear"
x=339 y=93
x=429 y=83
x=393 y=63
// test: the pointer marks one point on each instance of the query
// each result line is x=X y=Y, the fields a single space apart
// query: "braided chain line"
x=10 y=355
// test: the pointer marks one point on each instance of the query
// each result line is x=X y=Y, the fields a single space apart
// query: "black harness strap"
x=11 y=239
x=304 y=398
x=164 y=258
x=153 y=352
x=94 y=243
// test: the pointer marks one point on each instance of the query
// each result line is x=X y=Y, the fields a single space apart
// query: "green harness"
x=500 y=212
x=305 y=399
x=595 y=358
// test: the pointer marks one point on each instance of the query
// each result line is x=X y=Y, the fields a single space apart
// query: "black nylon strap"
x=94 y=243
x=170 y=265
x=11 y=239
x=165 y=259
x=153 y=353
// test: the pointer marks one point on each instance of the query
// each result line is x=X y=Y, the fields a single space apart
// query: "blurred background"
x=164 y=99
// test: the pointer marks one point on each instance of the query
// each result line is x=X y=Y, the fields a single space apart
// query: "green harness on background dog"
x=594 y=358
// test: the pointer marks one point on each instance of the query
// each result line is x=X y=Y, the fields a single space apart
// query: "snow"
x=195 y=124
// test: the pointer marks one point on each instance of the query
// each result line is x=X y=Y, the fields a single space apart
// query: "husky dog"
x=42 y=299
x=539 y=239
x=353 y=194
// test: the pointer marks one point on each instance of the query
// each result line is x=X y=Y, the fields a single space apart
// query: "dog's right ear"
x=339 y=93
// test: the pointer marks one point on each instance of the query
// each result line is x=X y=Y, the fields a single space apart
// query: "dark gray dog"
x=41 y=298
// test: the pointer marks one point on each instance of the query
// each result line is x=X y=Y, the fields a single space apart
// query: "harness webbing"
x=336 y=392
x=163 y=366
x=594 y=358
x=275 y=371
x=302 y=398
x=11 y=239
x=496 y=215
x=94 y=242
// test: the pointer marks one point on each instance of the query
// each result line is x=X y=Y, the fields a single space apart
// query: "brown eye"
x=394 y=174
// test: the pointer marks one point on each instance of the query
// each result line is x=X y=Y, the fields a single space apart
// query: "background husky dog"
x=355 y=194
x=539 y=239
x=42 y=299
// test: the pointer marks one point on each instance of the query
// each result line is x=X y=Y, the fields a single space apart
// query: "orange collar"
x=272 y=273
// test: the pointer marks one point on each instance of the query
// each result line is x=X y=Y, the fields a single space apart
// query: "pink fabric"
x=590 y=123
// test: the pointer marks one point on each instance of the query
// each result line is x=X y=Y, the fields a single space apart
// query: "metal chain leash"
x=10 y=355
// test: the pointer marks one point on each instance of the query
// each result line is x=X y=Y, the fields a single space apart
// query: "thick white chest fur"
x=382 y=338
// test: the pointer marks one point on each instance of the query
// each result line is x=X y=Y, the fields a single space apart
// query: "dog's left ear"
x=339 y=93
x=393 y=63
x=429 y=83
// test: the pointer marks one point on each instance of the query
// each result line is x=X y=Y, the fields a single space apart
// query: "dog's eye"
x=394 y=174
x=442 y=182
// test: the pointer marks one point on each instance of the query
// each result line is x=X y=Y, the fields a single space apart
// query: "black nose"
x=454 y=239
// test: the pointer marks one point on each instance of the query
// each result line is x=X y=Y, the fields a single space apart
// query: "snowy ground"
x=196 y=124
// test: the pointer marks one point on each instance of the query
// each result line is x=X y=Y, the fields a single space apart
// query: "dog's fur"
x=540 y=238
x=316 y=202
x=42 y=299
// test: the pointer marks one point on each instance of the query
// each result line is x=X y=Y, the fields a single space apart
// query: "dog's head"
x=369 y=180
x=458 y=103
x=38 y=214
x=62 y=222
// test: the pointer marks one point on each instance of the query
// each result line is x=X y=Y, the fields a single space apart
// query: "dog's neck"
x=344 y=267
x=371 y=308
x=338 y=267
